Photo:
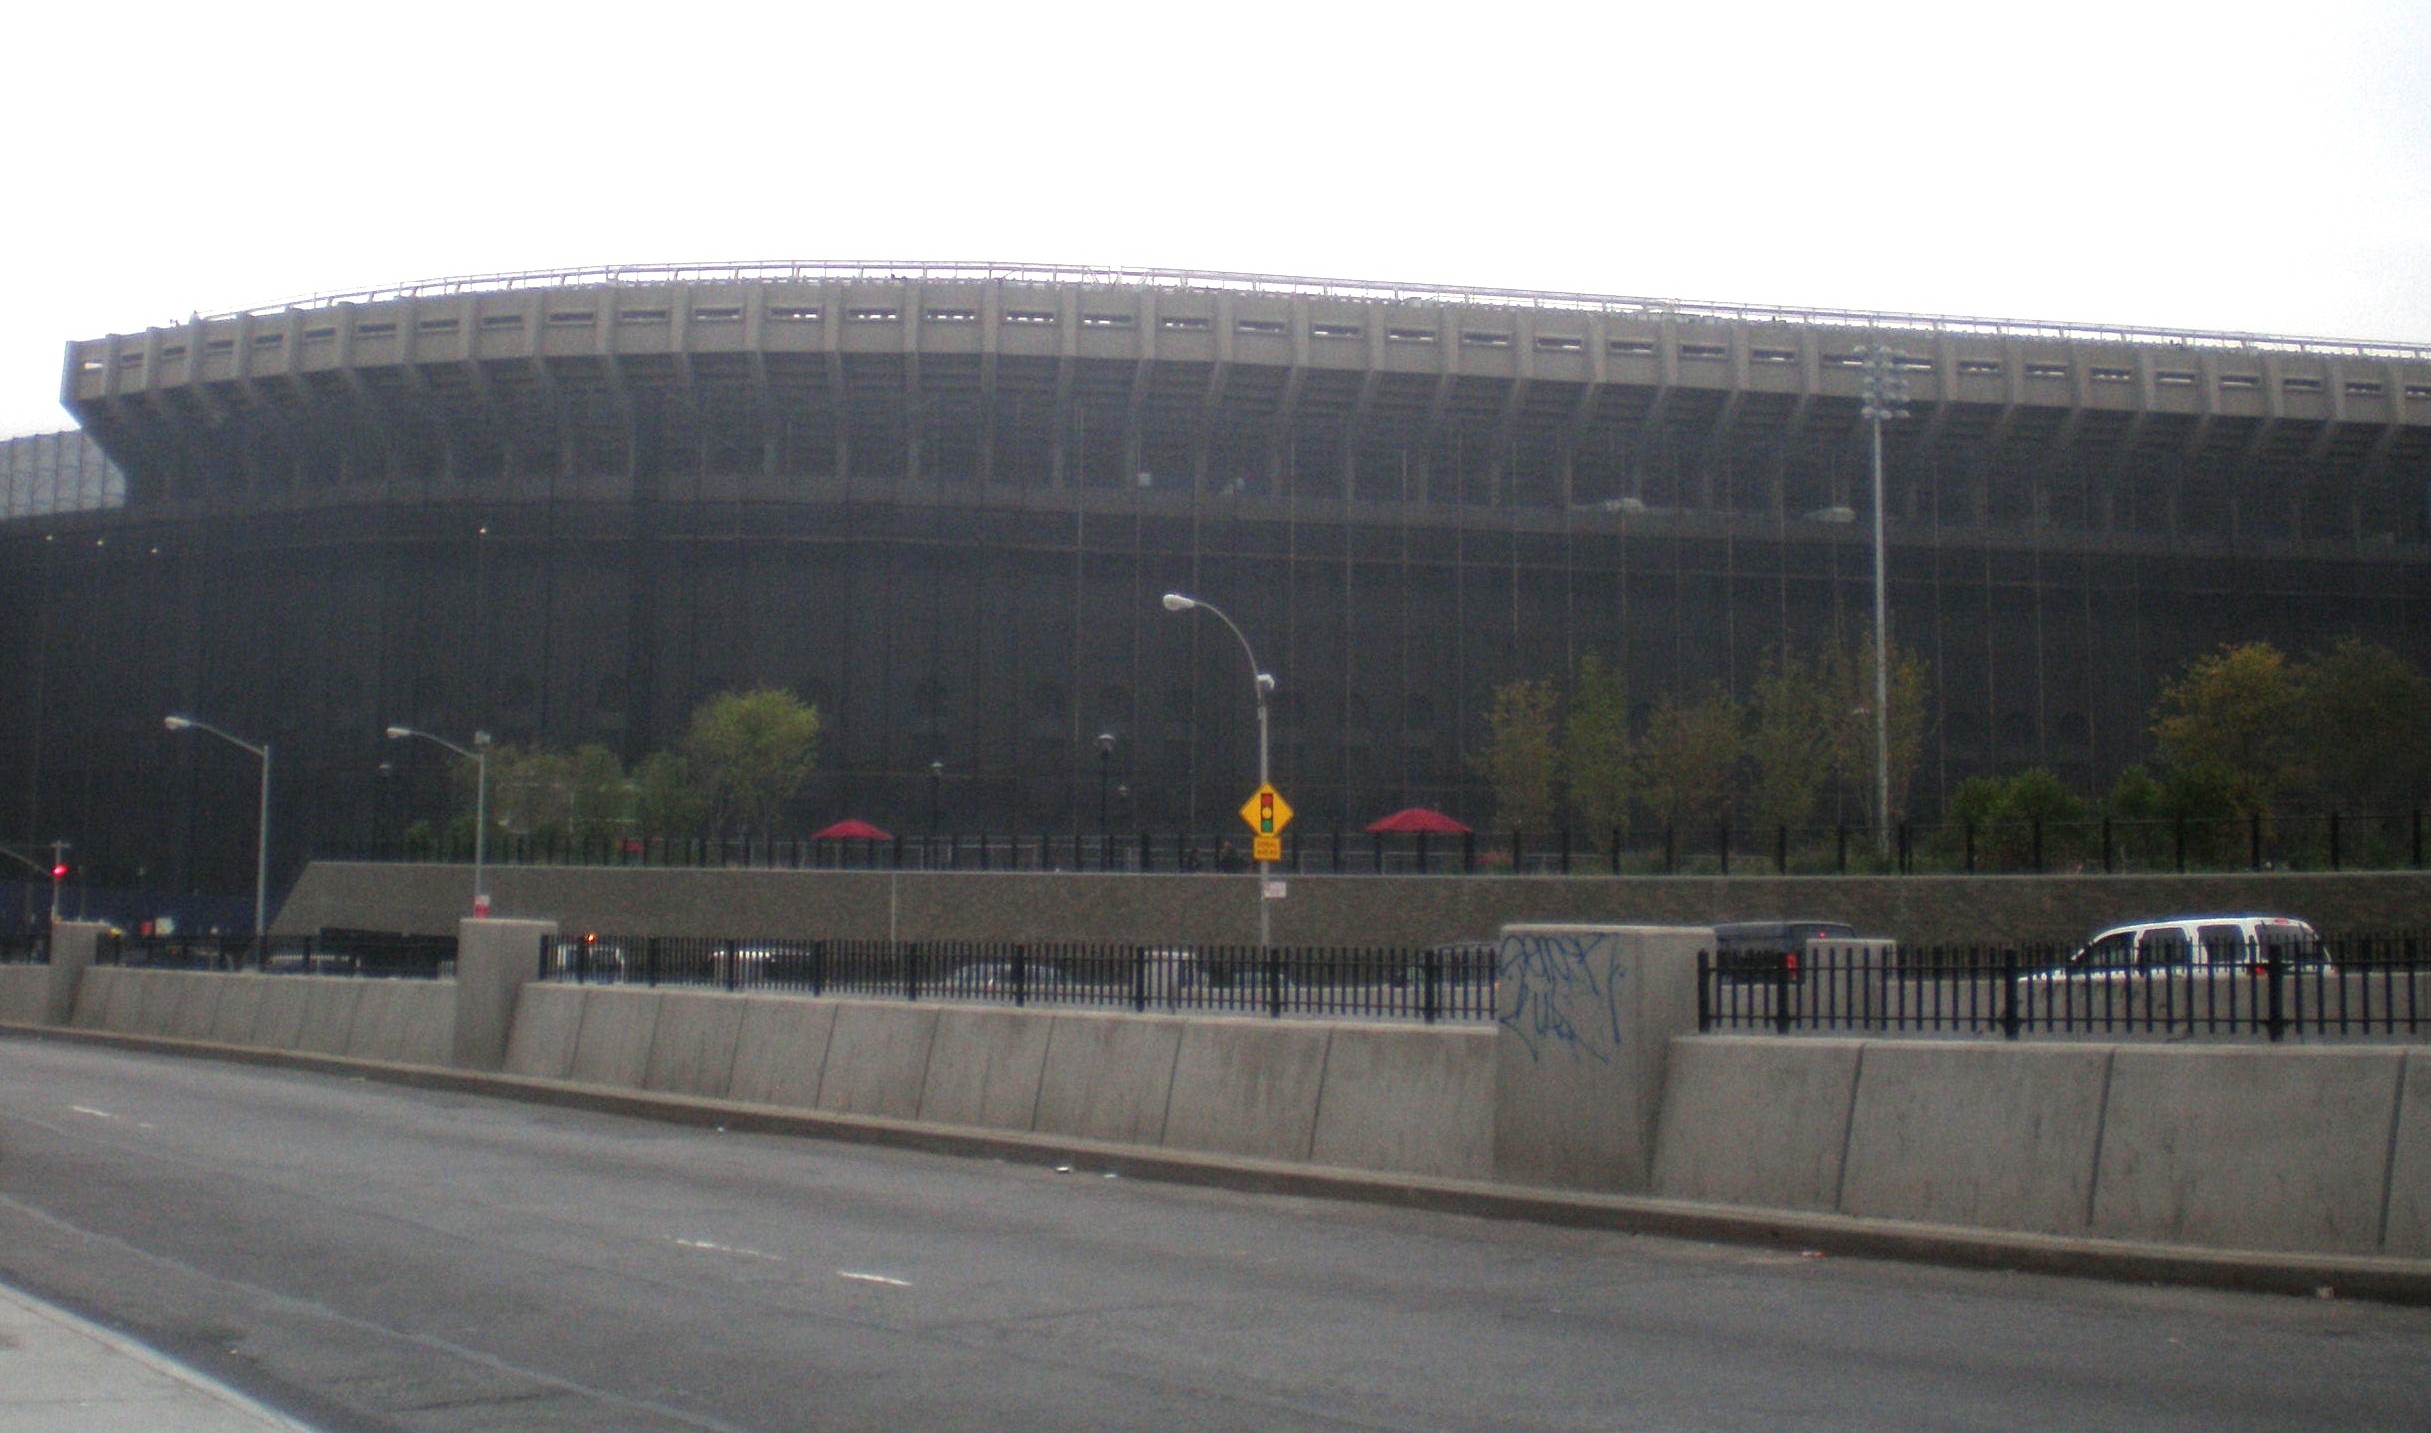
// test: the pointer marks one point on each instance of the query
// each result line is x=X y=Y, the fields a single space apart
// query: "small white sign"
x=1276 y=890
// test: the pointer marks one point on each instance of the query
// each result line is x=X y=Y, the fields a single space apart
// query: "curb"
x=2374 y=1277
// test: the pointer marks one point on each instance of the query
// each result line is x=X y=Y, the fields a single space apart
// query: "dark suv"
x=1766 y=952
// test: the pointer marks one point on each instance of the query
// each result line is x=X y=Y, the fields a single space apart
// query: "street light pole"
x=479 y=755
x=261 y=839
x=1886 y=396
x=1105 y=778
x=1264 y=685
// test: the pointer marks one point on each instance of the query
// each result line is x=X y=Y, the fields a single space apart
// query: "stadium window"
x=381 y=329
x=873 y=315
x=1183 y=323
x=90 y=365
x=1106 y=320
x=1771 y=355
x=641 y=315
x=131 y=359
x=1630 y=347
x=315 y=335
x=495 y=320
x=2301 y=385
x=1854 y=358
x=1333 y=330
x=1703 y=353
x=217 y=346
x=2366 y=389
x=1912 y=362
x=1261 y=327
x=2047 y=370
x=723 y=314
x=1979 y=368
x=950 y=315
x=1409 y=335
x=1560 y=343
x=1028 y=316
x=794 y=313
x=567 y=318
x=437 y=325
x=1477 y=339
x=178 y=350
x=2111 y=375
x=2173 y=379
x=269 y=340
x=2240 y=382
x=2418 y=392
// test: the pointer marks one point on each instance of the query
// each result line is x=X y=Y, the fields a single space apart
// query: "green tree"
x=600 y=801
x=1521 y=754
x=1689 y=760
x=1596 y=751
x=752 y=752
x=2362 y=728
x=1789 y=743
x=2004 y=814
x=668 y=801
x=2224 y=725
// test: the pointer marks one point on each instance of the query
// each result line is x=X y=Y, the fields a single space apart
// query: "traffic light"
x=1266 y=813
x=59 y=872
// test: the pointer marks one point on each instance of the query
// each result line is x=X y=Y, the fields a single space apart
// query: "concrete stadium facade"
x=942 y=500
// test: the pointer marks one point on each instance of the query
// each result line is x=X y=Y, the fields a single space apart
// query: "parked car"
x=997 y=979
x=2200 y=943
x=1457 y=962
x=1765 y=952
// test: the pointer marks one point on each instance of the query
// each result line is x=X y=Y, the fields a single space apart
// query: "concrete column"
x=494 y=960
x=1585 y=1016
x=72 y=944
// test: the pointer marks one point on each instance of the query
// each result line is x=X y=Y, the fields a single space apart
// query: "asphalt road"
x=369 y=1257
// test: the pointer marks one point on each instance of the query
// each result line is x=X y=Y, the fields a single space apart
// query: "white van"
x=2210 y=943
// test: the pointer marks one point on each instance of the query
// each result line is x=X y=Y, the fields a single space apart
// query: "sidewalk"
x=61 y=1374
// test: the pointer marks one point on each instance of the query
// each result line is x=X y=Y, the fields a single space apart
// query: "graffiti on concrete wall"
x=1563 y=992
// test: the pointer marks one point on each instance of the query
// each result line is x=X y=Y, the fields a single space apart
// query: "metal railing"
x=30 y=947
x=1438 y=984
x=2318 y=841
x=950 y=271
x=328 y=952
x=2364 y=986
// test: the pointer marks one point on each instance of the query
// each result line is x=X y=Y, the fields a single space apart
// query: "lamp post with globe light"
x=479 y=755
x=261 y=847
x=1264 y=685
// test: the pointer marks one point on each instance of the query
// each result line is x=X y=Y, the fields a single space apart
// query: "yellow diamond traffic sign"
x=1267 y=812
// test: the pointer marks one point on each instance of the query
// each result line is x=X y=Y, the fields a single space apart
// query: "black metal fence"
x=1441 y=983
x=2326 y=841
x=331 y=951
x=2354 y=986
x=24 y=948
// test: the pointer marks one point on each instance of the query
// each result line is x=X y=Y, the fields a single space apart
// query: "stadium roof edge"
x=1371 y=291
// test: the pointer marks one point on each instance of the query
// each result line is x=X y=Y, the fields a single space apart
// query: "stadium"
x=942 y=500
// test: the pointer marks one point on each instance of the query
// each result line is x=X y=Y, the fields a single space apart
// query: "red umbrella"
x=1420 y=819
x=851 y=831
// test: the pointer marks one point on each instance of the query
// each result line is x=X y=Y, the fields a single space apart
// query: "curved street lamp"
x=1264 y=684
x=261 y=846
x=479 y=755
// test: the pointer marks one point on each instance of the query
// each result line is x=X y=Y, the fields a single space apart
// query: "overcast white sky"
x=2215 y=166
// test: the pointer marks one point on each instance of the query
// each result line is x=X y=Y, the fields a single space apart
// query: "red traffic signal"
x=59 y=872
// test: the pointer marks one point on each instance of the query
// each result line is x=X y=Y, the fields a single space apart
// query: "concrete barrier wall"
x=2311 y=1149
x=25 y=992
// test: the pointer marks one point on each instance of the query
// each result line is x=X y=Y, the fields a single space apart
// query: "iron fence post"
x=650 y=958
x=1274 y=982
x=2272 y=970
x=1781 y=997
x=1705 y=1010
x=1430 y=966
x=1021 y=976
x=2009 y=1011
x=911 y=971
x=1139 y=978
